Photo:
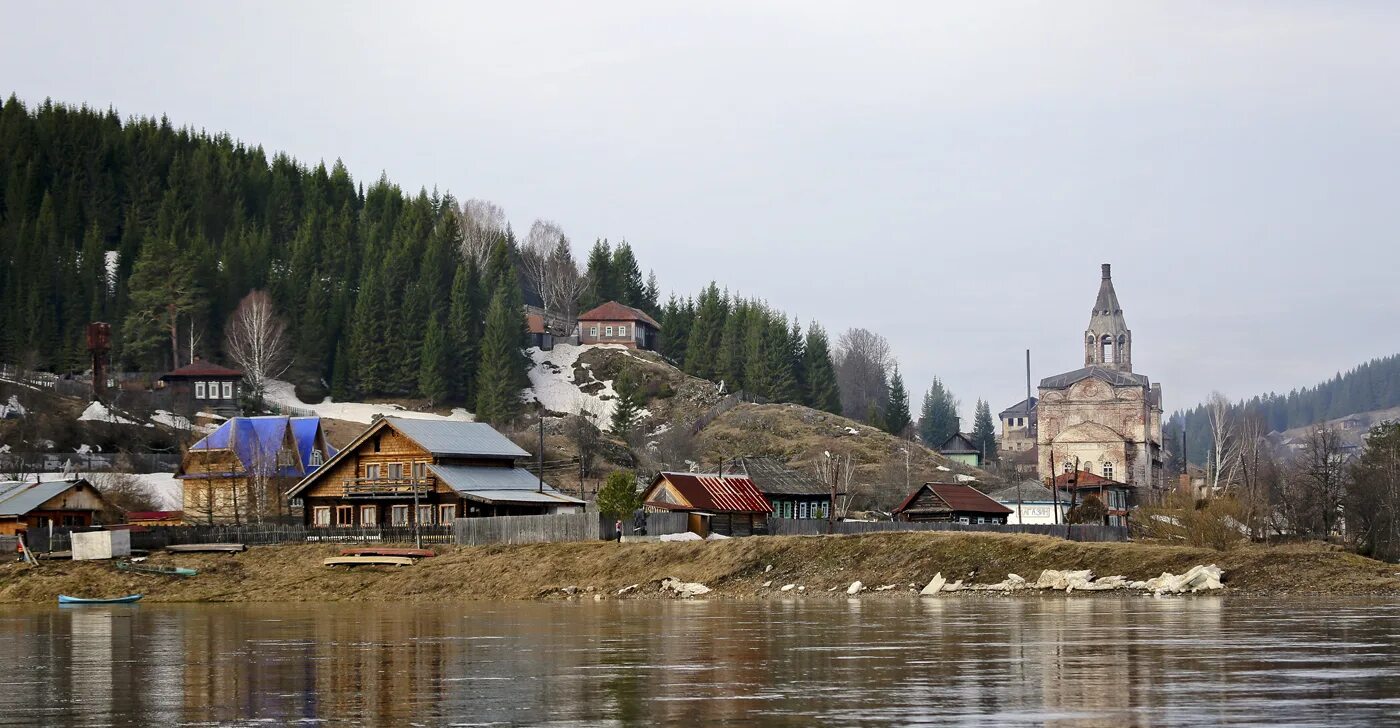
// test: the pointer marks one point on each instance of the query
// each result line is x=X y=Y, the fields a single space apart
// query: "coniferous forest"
x=161 y=230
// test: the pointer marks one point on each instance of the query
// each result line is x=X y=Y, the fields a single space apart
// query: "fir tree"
x=984 y=431
x=628 y=404
x=707 y=330
x=464 y=332
x=627 y=276
x=897 y=420
x=162 y=293
x=498 y=378
x=341 y=376
x=602 y=284
x=938 y=418
x=434 y=379
x=821 y=390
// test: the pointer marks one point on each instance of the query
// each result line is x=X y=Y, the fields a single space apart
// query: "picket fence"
x=795 y=527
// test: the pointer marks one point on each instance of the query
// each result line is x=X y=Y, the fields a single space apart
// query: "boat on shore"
x=207 y=548
x=128 y=599
x=368 y=561
x=156 y=569
x=388 y=551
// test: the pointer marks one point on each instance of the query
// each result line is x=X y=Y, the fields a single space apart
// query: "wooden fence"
x=794 y=527
x=158 y=537
x=557 y=527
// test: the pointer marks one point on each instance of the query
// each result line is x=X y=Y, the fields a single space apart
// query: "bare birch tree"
x=841 y=469
x=257 y=340
x=483 y=222
x=564 y=284
x=863 y=363
x=535 y=255
x=1224 y=455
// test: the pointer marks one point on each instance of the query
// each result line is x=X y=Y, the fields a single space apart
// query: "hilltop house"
x=242 y=468
x=792 y=494
x=960 y=449
x=614 y=323
x=730 y=505
x=57 y=503
x=950 y=503
x=1036 y=504
x=204 y=387
x=399 y=472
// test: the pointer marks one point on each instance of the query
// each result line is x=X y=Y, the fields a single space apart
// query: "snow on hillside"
x=284 y=394
x=98 y=412
x=553 y=384
x=166 y=487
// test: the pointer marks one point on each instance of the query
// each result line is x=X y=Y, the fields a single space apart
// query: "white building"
x=1036 y=502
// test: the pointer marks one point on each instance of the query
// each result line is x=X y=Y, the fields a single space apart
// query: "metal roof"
x=1113 y=376
x=18 y=498
x=498 y=485
x=1019 y=408
x=450 y=437
x=1031 y=491
x=958 y=444
x=199 y=368
x=773 y=478
x=728 y=494
x=614 y=311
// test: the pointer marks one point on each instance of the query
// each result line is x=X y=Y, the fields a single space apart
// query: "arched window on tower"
x=1120 y=348
x=1108 y=470
x=1110 y=354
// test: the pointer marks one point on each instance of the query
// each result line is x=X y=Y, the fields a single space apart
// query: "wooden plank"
x=368 y=561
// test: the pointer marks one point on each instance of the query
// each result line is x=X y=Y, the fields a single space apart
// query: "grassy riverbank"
x=733 y=568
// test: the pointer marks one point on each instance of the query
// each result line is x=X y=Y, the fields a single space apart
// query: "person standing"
x=618 y=528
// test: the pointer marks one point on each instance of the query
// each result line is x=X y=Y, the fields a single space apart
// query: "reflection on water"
x=1043 y=661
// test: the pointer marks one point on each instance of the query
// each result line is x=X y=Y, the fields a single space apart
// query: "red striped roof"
x=715 y=494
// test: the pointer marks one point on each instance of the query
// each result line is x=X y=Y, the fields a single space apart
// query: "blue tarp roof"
x=257 y=440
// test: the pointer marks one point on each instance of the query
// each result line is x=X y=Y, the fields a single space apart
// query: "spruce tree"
x=938 y=418
x=821 y=390
x=984 y=431
x=707 y=329
x=897 y=420
x=341 y=376
x=463 y=333
x=434 y=379
x=498 y=380
x=602 y=284
x=627 y=276
x=628 y=404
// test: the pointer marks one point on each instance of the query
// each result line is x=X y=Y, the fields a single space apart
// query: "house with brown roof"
x=730 y=505
x=792 y=494
x=1118 y=498
x=201 y=386
x=615 y=323
x=951 y=503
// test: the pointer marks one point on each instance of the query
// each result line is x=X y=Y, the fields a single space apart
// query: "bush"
x=618 y=498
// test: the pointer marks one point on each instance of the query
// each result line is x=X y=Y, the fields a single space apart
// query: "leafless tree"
x=1252 y=464
x=1373 y=496
x=1224 y=452
x=563 y=283
x=483 y=223
x=1317 y=482
x=257 y=339
x=124 y=493
x=841 y=469
x=862 y=373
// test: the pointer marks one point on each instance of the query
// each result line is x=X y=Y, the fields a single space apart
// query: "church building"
x=1103 y=418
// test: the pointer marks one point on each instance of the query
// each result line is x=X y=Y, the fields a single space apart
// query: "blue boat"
x=65 y=599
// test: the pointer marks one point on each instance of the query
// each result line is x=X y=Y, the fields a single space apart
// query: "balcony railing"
x=386 y=487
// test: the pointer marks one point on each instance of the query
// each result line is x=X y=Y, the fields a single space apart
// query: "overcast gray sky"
x=949 y=176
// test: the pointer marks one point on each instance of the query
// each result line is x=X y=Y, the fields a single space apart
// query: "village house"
x=241 y=469
x=730 y=505
x=401 y=472
x=1104 y=417
x=1018 y=427
x=791 y=494
x=960 y=449
x=1118 y=498
x=204 y=387
x=950 y=503
x=55 y=503
x=1036 y=504
x=614 y=323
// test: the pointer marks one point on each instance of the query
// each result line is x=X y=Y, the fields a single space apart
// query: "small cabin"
x=951 y=503
x=960 y=449
x=50 y=504
x=614 y=323
x=729 y=505
x=401 y=472
x=204 y=387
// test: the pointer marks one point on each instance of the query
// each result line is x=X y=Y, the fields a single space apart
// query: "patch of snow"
x=552 y=384
x=284 y=394
x=945 y=468
x=964 y=478
x=97 y=412
x=12 y=408
x=686 y=536
x=4 y=448
x=84 y=449
x=110 y=258
x=852 y=431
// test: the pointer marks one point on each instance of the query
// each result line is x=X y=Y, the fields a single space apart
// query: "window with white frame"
x=395 y=471
x=964 y=520
x=321 y=516
x=399 y=515
x=425 y=515
x=228 y=390
x=622 y=331
x=199 y=390
x=369 y=516
x=608 y=331
x=592 y=330
x=981 y=519
x=802 y=509
x=420 y=471
x=1108 y=470
x=213 y=390
x=316 y=457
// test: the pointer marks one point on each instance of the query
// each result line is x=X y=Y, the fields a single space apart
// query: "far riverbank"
x=735 y=568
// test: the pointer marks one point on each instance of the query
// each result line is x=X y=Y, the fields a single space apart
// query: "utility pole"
x=1020 y=505
x=831 y=511
x=540 y=411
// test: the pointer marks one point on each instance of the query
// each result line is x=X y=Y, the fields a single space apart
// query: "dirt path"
x=733 y=568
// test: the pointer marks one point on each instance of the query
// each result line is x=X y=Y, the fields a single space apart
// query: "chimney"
x=1106 y=266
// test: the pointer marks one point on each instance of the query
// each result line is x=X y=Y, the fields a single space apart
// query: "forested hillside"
x=1371 y=386
x=161 y=231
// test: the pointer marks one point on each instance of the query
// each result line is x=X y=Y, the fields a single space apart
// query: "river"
x=960 y=661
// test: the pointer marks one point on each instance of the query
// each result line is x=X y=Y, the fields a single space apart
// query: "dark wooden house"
x=204 y=387
x=56 y=503
x=791 y=493
x=1118 y=498
x=951 y=503
x=729 y=505
x=404 y=471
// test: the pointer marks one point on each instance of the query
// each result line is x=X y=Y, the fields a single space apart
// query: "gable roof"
x=710 y=492
x=1114 y=377
x=1030 y=491
x=255 y=441
x=614 y=311
x=1086 y=479
x=454 y=438
x=18 y=498
x=499 y=485
x=771 y=477
x=958 y=444
x=957 y=497
x=201 y=368
x=1019 y=408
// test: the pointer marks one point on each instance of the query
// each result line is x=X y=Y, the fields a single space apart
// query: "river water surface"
x=1017 y=661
